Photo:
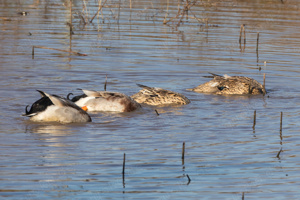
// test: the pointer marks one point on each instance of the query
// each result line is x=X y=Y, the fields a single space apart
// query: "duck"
x=53 y=108
x=230 y=85
x=105 y=101
x=159 y=97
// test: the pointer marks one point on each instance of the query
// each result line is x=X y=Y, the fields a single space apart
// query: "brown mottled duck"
x=229 y=85
x=158 y=97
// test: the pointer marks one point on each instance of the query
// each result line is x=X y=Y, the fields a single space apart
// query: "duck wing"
x=159 y=96
x=104 y=94
x=151 y=91
x=91 y=93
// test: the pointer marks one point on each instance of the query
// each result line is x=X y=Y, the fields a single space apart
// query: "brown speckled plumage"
x=157 y=96
x=227 y=85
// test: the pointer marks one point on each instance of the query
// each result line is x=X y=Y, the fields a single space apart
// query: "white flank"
x=60 y=114
x=82 y=102
x=102 y=104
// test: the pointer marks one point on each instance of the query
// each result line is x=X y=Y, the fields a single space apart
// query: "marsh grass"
x=184 y=10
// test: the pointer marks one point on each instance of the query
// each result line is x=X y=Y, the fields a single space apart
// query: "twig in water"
x=243 y=195
x=181 y=13
x=189 y=180
x=279 y=153
x=100 y=7
x=73 y=52
x=156 y=112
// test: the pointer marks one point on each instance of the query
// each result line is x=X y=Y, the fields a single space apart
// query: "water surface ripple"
x=224 y=156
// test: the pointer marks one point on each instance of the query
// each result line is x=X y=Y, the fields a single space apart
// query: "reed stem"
x=71 y=26
x=130 y=10
x=183 y=151
x=189 y=179
x=281 y=122
x=254 y=119
x=165 y=20
x=244 y=34
x=119 y=10
x=123 y=171
x=257 y=42
x=264 y=84
x=32 y=53
x=279 y=153
x=241 y=31
x=105 y=84
x=100 y=8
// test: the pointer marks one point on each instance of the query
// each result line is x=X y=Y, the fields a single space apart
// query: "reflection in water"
x=54 y=129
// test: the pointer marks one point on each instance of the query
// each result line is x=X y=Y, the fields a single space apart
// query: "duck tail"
x=41 y=93
x=213 y=75
x=144 y=86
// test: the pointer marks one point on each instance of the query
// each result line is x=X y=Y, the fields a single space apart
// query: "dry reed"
x=99 y=9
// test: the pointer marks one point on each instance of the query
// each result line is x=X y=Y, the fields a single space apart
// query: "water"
x=224 y=156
